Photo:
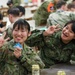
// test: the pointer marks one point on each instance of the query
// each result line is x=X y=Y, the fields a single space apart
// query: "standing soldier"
x=42 y=13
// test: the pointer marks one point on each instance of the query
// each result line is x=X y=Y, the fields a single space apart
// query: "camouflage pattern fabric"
x=16 y=2
x=41 y=14
x=69 y=1
x=52 y=49
x=10 y=65
x=9 y=33
x=60 y=17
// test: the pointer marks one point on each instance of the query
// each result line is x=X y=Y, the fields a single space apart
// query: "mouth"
x=65 y=35
x=18 y=38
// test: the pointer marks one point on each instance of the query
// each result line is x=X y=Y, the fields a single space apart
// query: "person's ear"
x=29 y=33
x=10 y=16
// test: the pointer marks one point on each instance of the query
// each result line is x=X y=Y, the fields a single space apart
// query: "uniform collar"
x=59 y=10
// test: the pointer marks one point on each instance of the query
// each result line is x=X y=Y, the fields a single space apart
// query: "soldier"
x=16 y=58
x=13 y=3
x=55 y=48
x=42 y=13
x=61 y=16
x=13 y=15
x=10 y=3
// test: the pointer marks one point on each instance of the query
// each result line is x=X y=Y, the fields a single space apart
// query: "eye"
x=16 y=29
x=66 y=27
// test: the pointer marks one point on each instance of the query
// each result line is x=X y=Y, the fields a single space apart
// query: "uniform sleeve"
x=41 y=15
x=72 y=16
x=29 y=58
x=16 y=2
x=8 y=33
x=36 y=39
x=73 y=53
x=3 y=53
x=49 y=22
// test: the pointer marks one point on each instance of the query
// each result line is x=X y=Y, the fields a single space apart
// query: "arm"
x=3 y=46
x=51 y=30
x=3 y=49
x=37 y=37
x=3 y=29
x=28 y=58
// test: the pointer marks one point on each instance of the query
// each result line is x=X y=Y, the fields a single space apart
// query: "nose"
x=19 y=33
x=66 y=31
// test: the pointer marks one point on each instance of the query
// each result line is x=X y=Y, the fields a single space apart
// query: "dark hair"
x=73 y=0
x=60 y=3
x=1 y=16
x=9 y=2
x=70 y=5
x=21 y=23
x=73 y=25
x=22 y=9
x=14 y=11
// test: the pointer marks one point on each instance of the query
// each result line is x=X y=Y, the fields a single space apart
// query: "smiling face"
x=20 y=35
x=67 y=34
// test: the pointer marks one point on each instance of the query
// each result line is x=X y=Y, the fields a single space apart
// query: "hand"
x=2 y=40
x=17 y=52
x=2 y=29
x=51 y=30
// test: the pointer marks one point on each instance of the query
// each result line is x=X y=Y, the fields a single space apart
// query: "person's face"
x=10 y=18
x=73 y=2
x=67 y=34
x=11 y=5
x=72 y=9
x=20 y=35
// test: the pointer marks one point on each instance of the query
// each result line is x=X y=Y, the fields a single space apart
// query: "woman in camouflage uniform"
x=57 y=47
x=18 y=59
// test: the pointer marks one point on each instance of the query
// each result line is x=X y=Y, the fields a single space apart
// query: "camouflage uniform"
x=69 y=1
x=60 y=17
x=41 y=14
x=9 y=33
x=16 y=2
x=52 y=49
x=9 y=30
x=10 y=65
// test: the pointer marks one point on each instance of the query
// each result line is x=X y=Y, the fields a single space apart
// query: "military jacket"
x=10 y=65
x=16 y=2
x=60 y=17
x=9 y=33
x=41 y=14
x=52 y=49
